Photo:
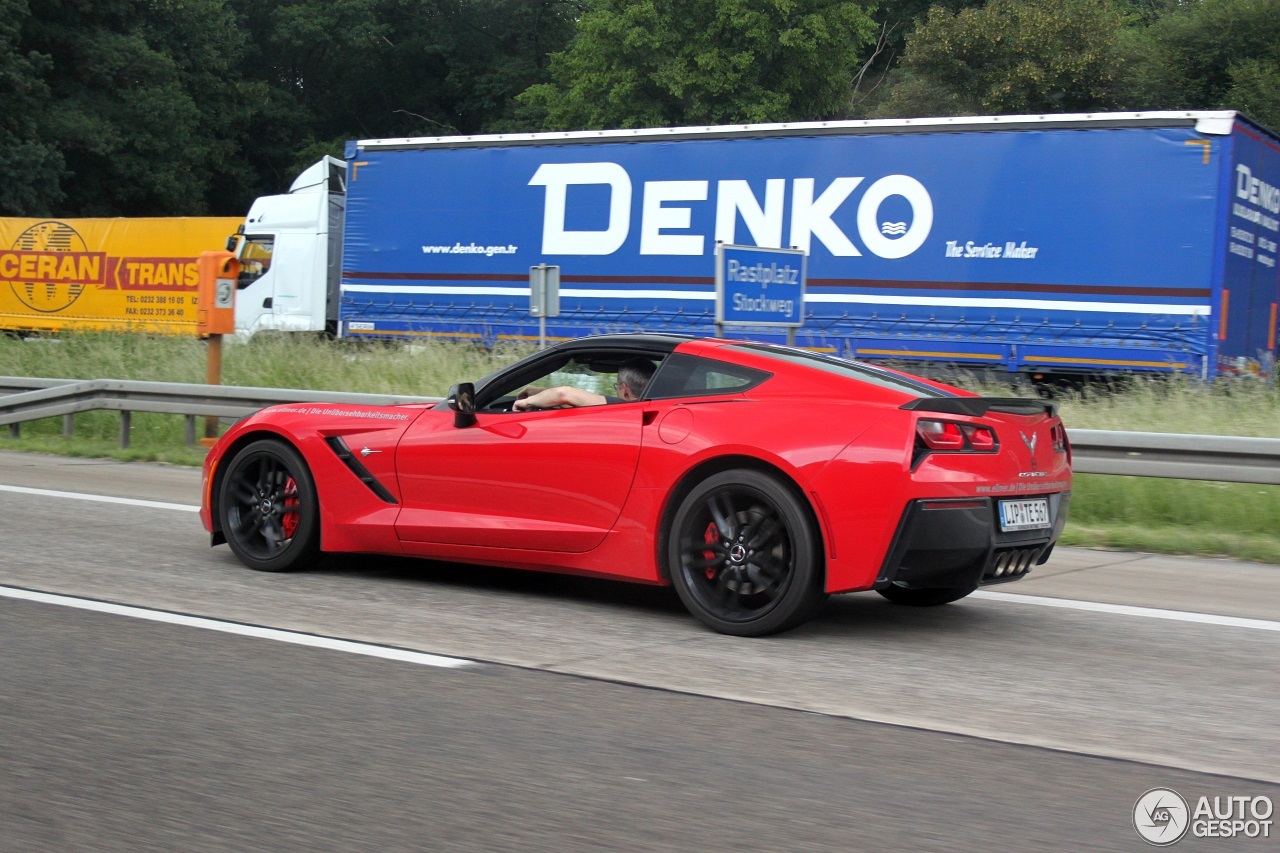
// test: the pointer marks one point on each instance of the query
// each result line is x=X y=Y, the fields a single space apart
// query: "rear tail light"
x=955 y=437
x=1060 y=444
x=981 y=438
x=940 y=435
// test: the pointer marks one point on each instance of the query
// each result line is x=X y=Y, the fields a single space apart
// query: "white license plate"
x=1024 y=515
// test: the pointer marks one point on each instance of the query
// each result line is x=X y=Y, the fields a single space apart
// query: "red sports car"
x=755 y=479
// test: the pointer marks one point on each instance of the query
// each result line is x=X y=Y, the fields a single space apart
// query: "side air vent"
x=339 y=447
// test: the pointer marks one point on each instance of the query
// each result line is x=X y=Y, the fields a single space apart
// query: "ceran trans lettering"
x=52 y=267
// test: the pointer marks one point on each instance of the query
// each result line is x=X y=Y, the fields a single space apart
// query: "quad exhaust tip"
x=1013 y=563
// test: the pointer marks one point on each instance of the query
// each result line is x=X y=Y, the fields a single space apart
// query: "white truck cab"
x=290 y=251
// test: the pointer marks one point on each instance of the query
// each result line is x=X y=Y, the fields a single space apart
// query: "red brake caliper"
x=711 y=536
x=289 y=520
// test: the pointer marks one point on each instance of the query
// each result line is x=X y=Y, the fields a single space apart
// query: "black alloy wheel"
x=743 y=554
x=268 y=508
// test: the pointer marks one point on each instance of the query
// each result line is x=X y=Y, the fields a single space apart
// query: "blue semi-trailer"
x=1046 y=245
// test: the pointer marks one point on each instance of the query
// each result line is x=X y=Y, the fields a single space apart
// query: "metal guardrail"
x=1230 y=459
x=26 y=399
x=1139 y=454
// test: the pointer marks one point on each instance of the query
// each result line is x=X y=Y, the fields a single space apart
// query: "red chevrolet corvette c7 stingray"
x=755 y=479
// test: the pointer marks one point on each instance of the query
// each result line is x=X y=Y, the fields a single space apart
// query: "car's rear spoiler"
x=979 y=406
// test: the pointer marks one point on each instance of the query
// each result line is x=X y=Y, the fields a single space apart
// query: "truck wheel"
x=924 y=597
x=743 y=556
x=268 y=508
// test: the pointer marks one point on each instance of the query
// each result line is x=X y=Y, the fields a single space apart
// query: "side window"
x=255 y=259
x=689 y=376
x=578 y=375
x=595 y=372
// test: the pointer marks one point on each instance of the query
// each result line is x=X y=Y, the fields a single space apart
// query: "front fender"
x=346 y=501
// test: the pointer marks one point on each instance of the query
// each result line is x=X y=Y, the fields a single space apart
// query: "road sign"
x=758 y=286
x=544 y=291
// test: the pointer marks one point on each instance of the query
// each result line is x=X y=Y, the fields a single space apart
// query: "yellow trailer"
x=104 y=274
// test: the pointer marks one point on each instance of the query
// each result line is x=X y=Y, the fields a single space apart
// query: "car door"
x=551 y=480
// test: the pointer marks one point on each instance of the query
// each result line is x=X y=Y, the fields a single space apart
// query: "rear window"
x=684 y=375
x=844 y=367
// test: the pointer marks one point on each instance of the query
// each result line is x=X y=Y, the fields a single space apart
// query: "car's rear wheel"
x=743 y=554
x=268 y=508
x=925 y=597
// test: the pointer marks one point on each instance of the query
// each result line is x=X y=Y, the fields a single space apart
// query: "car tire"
x=924 y=597
x=268 y=508
x=743 y=554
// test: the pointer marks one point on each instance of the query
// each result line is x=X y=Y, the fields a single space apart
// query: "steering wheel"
x=502 y=404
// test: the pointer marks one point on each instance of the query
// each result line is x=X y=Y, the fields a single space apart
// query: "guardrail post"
x=68 y=426
x=126 y=422
x=15 y=430
x=189 y=432
x=212 y=376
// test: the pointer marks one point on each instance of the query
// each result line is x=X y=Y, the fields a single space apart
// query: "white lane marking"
x=1130 y=610
x=106 y=499
x=310 y=640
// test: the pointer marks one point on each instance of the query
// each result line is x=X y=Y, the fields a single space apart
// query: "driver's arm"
x=560 y=396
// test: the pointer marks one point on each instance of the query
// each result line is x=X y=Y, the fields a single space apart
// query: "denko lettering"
x=1256 y=191
x=666 y=213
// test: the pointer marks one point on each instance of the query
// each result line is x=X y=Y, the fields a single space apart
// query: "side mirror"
x=462 y=399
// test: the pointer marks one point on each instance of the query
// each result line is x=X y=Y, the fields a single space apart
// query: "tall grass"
x=1177 y=516
x=1249 y=407
x=270 y=361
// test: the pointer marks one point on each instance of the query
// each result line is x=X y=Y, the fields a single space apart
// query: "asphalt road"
x=594 y=715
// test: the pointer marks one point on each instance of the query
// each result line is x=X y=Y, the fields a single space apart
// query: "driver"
x=633 y=376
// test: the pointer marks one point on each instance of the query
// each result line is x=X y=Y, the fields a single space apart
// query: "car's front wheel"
x=268 y=508
x=744 y=555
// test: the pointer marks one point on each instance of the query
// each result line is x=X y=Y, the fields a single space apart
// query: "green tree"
x=1212 y=54
x=497 y=50
x=357 y=69
x=137 y=96
x=31 y=168
x=1010 y=56
x=897 y=20
x=685 y=62
x=1255 y=90
x=167 y=107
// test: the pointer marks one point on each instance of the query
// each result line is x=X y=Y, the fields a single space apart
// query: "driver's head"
x=633 y=375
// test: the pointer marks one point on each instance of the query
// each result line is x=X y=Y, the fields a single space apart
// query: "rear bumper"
x=958 y=544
